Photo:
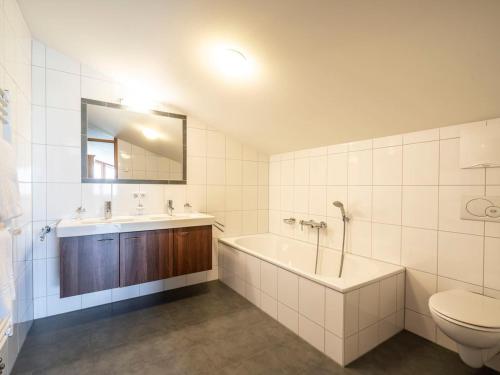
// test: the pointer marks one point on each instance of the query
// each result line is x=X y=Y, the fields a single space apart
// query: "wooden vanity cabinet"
x=106 y=261
x=89 y=264
x=192 y=250
x=145 y=256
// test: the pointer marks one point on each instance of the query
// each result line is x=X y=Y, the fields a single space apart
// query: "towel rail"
x=4 y=114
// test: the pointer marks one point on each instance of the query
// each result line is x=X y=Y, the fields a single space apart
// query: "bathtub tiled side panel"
x=342 y=325
x=372 y=314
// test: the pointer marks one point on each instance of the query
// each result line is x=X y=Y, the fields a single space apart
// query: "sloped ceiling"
x=329 y=71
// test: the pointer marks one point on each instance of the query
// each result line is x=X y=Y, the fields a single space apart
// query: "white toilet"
x=470 y=319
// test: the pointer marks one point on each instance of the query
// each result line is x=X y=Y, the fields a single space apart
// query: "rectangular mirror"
x=121 y=145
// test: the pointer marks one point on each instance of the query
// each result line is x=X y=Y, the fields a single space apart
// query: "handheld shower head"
x=341 y=206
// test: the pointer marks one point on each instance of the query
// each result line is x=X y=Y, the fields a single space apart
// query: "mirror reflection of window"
x=101 y=155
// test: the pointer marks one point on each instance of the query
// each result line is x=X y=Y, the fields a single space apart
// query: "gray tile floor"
x=204 y=329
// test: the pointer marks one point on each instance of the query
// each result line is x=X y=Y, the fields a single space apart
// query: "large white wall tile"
x=387 y=204
x=288 y=317
x=387 y=166
x=421 y=325
x=63 y=127
x=216 y=171
x=420 y=206
x=334 y=312
x=63 y=164
x=360 y=202
x=301 y=171
x=368 y=305
x=62 y=200
x=360 y=234
x=460 y=257
x=234 y=172
x=313 y=333
x=318 y=170
x=269 y=305
x=216 y=144
x=312 y=301
x=388 y=294
x=286 y=172
x=337 y=169
x=288 y=289
x=317 y=199
x=63 y=90
x=386 y=242
x=421 y=164
x=419 y=249
x=360 y=168
x=420 y=286
x=196 y=142
x=269 y=279
x=250 y=173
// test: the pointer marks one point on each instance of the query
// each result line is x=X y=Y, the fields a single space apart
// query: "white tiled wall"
x=15 y=76
x=342 y=325
x=403 y=194
x=225 y=178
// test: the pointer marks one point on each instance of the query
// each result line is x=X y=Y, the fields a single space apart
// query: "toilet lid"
x=467 y=307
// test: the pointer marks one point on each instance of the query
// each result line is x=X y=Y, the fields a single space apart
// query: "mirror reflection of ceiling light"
x=150 y=134
x=124 y=155
x=231 y=62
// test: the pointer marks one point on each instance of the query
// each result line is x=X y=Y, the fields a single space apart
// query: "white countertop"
x=119 y=224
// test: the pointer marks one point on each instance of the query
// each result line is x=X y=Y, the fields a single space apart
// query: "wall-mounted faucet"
x=79 y=211
x=108 y=212
x=290 y=220
x=312 y=224
x=170 y=207
x=140 y=207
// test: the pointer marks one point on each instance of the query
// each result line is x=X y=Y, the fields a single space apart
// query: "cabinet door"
x=192 y=250
x=133 y=261
x=89 y=264
x=145 y=256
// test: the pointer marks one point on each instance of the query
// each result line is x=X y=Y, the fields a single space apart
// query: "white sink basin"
x=117 y=224
x=101 y=220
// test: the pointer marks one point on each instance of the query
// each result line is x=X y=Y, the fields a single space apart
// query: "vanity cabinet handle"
x=132 y=238
x=106 y=239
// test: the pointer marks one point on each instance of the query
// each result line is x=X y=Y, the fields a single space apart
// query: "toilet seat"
x=467 y=309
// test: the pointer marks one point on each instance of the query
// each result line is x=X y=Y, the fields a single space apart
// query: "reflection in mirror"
x=126 y=146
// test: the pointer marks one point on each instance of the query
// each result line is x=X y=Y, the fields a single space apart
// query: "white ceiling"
x=329 y=70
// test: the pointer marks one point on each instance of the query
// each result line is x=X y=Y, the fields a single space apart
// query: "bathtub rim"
x=230 y=241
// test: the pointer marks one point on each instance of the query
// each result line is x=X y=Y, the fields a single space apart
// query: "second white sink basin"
x=117 y=224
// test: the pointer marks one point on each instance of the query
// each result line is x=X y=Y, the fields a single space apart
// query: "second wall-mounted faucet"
x=312 y=224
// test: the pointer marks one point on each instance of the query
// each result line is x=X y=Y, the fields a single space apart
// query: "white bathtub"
x=343 y=317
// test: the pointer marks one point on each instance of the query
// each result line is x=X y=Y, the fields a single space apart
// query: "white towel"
x=10 y=199
x=7 y=285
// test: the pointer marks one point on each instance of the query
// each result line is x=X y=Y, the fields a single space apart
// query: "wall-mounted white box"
x=480 y=146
